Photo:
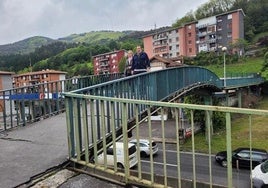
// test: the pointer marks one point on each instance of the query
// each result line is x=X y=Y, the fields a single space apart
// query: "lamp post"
x=224 y=66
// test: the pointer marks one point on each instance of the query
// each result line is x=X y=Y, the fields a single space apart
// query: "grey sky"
x=21 y=19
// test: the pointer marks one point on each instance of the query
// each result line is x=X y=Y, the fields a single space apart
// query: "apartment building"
x=33 y=78
x=208 y=34
x=5 y=84
x=108 y=62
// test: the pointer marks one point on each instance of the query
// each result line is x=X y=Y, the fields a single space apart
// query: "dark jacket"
x=140 y=62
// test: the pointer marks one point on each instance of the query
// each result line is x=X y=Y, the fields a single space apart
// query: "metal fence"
x=20 y=106
x=101 y=115
x=96 y=122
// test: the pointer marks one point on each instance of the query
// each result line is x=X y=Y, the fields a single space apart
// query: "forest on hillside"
x=76 y=57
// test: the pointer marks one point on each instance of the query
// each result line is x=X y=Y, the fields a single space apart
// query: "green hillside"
x=25 y=46
x=94 y=37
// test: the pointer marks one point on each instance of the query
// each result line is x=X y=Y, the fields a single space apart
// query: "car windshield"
x=264 y=167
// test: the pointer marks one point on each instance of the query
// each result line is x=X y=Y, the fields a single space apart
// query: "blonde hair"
x=130 y=52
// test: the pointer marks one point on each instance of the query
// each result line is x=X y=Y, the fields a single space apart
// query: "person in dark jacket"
x=140 y=62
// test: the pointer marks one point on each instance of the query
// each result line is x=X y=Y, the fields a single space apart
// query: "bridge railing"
x=19 y=106
x=97 y=122
x=243 y=80
x=102 y=114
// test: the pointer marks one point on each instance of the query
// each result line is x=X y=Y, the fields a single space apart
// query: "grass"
x=250 y=65
x=239 y=131
x=240 y=123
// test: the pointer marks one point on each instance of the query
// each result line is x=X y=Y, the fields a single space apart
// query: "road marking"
x=188 y=153
x=159 y=163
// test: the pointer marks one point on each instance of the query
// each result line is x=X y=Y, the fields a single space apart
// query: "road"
x=219 y=173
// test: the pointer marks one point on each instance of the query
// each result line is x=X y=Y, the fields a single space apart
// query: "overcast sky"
x=21 y=19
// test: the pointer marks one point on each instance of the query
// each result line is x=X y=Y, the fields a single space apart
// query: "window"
x=189 y=42
x=229 y=16
x=170 y=48
x=219 y=19
x=190 y=50
x=177 y=39
x=189 y=27
x=189 y=34
x=229 y=25
x=170 y=40
x=219 y=28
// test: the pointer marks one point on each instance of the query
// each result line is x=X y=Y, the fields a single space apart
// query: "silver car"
x=260 y=175
x=144 y=146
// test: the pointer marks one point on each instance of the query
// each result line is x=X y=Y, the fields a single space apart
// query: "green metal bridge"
x=104 y=109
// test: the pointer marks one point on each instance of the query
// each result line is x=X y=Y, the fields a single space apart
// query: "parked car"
x=132 y=152
x=241 y=157
x=260 y=175
x=144 y=146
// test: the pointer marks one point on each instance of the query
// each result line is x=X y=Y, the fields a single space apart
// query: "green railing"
x=102 y=114
x=84 y=112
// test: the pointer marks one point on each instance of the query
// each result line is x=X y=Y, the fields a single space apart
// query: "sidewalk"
x=30 y=150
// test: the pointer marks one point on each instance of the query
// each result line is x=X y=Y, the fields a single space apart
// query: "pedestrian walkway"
x=32 y=149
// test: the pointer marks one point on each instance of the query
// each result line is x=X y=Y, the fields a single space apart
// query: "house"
x=157 y=62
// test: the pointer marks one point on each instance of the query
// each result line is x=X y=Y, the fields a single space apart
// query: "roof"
x=6 y=73
x=161 y=59
x=108 y=53
x=232 y=11
x=47 y=71
x=170 y=62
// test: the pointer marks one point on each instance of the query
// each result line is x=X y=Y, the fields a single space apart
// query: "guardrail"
x=97 y=122
x=28 y=104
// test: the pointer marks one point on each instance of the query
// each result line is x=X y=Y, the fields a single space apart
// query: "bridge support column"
x=209 y=124
x=239 y=97
x=226 y=97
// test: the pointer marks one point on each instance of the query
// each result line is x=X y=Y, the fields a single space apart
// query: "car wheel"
x=143 y=154
x=119 y=165
x=224 y=163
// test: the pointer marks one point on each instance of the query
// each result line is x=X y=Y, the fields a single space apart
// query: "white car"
x=260 y=175
x=132 y=152
x=144 y=146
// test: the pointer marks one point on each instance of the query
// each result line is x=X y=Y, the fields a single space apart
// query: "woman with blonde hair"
x=128 y=63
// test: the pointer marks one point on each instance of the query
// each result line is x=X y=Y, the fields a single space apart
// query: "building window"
x=219 y=28
x=189 y=26
x=189 y=34
x=170 y=40
x=177 y=30
x=190 y=50
x=229 y=25
x=177 y=46
x=170 y=48
x=219 y=19
x=229 y=16
x=189 y=42
x=229 y=35
x=177 y=39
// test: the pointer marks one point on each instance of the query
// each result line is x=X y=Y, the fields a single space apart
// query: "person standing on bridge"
x=141 y=62
x=128 y=63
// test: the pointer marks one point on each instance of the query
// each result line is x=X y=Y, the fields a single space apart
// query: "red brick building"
x=108 y=62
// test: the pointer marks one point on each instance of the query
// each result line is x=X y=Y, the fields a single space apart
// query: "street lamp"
x=224 y=49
